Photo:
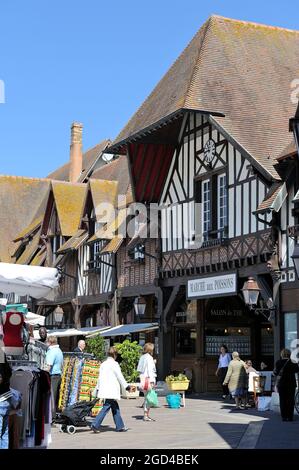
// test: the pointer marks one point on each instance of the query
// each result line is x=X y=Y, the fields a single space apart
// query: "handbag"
x=145 y=383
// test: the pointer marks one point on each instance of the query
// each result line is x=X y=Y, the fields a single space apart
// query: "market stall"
x=26 y=396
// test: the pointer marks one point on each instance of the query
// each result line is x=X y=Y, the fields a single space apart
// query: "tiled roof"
x=30 y=228
x=30 y=250
x=241 y=69
x=290 y=150
x=39 y=258
x=104 y=197
x=20 y=200
x=274 y=199
x=89 y=160
x=69 y=199
x=113 y=245
x=109 y=230
x=74 y=242
x=117 y=170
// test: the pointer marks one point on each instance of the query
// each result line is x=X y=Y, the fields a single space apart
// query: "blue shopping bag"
x=174 y=400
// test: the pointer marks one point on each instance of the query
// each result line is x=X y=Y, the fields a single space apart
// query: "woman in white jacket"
x=108 y=387
x=147 y=368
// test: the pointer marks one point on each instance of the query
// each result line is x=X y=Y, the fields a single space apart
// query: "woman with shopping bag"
x=147 y=369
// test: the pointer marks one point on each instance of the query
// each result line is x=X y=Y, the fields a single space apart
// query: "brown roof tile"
x=69 y=199
x=241 y=69
x=117 y=170
x=20 y=200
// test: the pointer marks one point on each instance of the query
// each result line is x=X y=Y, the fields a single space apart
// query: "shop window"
x=236 y=339
x=187 y=313
x=185 y=339
x=267 y=341
x=290 y=328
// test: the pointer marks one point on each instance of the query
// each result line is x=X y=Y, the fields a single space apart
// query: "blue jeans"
x=115 y=412
x=4 y=412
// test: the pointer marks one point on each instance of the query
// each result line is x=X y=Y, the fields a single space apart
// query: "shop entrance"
x=229 y=322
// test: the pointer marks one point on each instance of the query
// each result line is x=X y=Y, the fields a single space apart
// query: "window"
x=290 y=329
x=212 y=194
x=206 y=208
x=56 y=243
x=185 y=328
x=222 y=203
x=185 y=340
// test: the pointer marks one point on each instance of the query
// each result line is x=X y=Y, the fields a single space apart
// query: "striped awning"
x=74 y=242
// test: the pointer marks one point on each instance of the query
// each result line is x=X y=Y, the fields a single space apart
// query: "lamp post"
x=58 y=315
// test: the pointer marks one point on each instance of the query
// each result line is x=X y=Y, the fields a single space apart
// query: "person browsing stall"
x=54 y=365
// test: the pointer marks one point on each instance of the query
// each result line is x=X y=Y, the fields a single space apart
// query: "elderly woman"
x=236 y=379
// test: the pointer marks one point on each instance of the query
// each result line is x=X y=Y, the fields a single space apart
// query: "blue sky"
x=94 y=62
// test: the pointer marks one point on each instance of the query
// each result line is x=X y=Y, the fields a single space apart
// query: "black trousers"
x=287 y=402
x=221 y=375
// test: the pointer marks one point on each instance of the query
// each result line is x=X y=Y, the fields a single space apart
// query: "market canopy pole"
x=35 y=281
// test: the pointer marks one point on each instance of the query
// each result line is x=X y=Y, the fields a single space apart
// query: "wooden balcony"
x=229 y=254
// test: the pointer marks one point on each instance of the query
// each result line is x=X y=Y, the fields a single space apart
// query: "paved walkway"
x=205 y=423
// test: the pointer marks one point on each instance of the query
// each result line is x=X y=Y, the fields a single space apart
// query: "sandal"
x=147 y=418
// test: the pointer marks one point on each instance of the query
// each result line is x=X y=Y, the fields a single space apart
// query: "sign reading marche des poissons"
x=212 y=286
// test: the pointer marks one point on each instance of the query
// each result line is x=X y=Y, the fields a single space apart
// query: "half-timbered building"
x=204 y=147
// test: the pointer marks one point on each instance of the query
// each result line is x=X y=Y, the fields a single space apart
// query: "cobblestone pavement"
x=205 y=423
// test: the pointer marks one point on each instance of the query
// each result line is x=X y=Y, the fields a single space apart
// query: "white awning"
x=64 y=333
x=34 y=281
x=123 y=330
x=34 y=319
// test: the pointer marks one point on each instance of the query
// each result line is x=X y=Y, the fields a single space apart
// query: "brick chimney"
x=75 y=152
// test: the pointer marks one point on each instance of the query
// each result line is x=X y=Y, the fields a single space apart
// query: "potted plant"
x=129 y=351
x=179 y=382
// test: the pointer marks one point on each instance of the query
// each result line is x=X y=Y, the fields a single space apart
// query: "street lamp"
x=139 y=306
x=251 y=292
x=294 y=127
x=58 y=315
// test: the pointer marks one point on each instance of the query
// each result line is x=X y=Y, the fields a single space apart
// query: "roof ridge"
x=34 y=178
x=68 y=183
x=253 y=23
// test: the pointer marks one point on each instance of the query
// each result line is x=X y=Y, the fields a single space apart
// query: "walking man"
x=108 y=387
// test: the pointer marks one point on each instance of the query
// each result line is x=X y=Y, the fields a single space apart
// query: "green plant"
x=96 y=346
x=129 y=352
x=177 y=378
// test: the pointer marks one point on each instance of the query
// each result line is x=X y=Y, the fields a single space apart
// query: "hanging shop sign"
x=212 y=286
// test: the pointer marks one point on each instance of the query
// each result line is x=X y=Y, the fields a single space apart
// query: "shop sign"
x=206 y=287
